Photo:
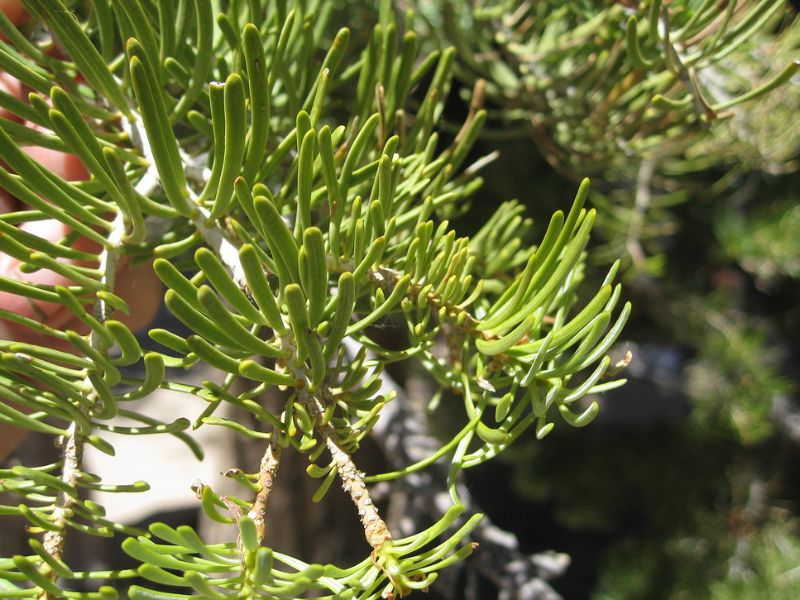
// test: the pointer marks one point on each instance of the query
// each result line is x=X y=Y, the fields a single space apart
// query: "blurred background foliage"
x=686 y=487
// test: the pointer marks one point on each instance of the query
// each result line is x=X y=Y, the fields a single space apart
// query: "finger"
x=140 y=284
x=14 y=11
x=70 y=168
x=10 y=438
x=11 y=85
x=10 y=330
x=67 y=166
x=51 y=314
x=142 y=289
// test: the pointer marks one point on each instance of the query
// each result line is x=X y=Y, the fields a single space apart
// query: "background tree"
x=681 y=111
x=295 y=197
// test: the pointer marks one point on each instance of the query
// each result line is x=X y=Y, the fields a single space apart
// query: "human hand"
x=138 y=285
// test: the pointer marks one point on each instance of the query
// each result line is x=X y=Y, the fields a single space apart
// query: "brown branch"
x=72 y=455
x=375 y=529
x=267 y=472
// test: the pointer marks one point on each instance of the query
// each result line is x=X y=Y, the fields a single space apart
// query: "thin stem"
x=266 y=478
x=150 y=181
x=72 y=446
x=217 y=240
x=641 y=204
x=687 y=75
x=72 y=455
x=208 y=228
x=375 y=529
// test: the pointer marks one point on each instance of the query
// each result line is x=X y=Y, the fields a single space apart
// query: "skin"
x=137 y=285
x=14 y=11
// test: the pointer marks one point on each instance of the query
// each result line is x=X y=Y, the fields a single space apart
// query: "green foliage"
x=294 y=204
x=685 y=110
x=735 y=564
x=597 y=84
x=771 y=570
x=718 y=520
x=639 y=94
x=735 y=377
x=766 y=243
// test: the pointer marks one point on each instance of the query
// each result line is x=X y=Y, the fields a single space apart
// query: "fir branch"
x=212 y=233
x=273 y=224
